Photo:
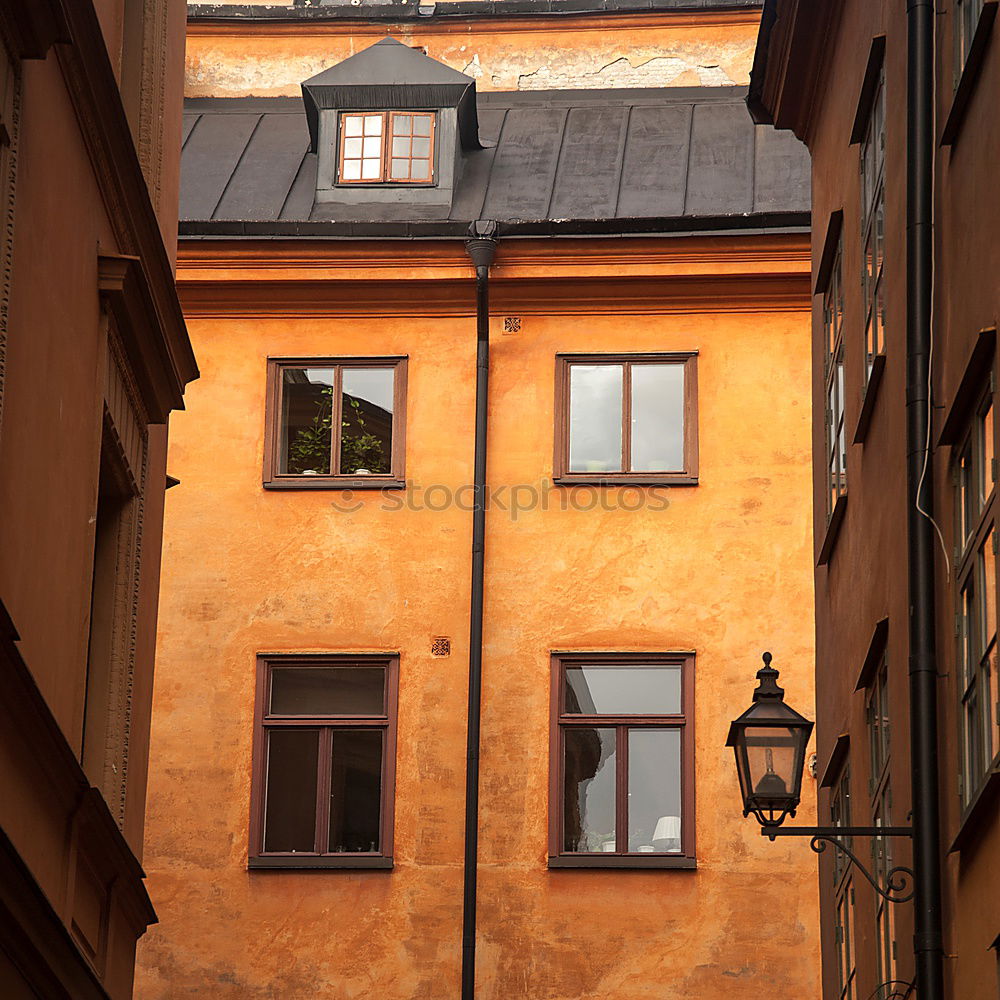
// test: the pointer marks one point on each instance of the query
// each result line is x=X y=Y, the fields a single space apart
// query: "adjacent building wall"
x=865 y=579
x=93 y=355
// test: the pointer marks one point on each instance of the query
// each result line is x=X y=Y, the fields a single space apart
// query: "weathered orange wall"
x=634 y=50
x=725 y=571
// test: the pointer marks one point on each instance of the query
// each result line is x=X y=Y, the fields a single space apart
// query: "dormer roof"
x=392 y=76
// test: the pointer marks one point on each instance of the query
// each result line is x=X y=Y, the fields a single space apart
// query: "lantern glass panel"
x=772 y=764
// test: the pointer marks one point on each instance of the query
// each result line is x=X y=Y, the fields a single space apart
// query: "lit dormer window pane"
x=365 y=155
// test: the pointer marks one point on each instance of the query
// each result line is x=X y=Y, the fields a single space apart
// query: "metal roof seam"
x=236 y=168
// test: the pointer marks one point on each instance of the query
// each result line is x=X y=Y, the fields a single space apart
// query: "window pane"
x=633 y=690
x=401 y=169
x=352 y=149
x=327 y=691
x=657 y=418
x=422 y=147
x=352 y=124
x=595 y=418
x=421 y=124
x=290 y=794
x=373 y=125
x=371 y=170
x=654 y=790
x=401 y=146
x=986 y=430
x=306 y=421
x=589 y=799
x=352 y=170
x=401 y=125
x=366 y=424
x=356 y=791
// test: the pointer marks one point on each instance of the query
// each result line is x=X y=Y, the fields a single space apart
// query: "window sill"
x=313 y=862
x=977 y=814
x=588 y=479
x=970 y=74
x=619 y=861
x=320 y=483
x=832 y=530
x=871 y=396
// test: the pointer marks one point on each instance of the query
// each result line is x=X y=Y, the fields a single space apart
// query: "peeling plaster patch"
x=473 y=68
x=657 y=71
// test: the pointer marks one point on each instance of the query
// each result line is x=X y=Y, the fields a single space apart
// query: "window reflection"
x=366 y=421
x=657 y=418
x=595 y=430
x=589 y=808
x=654 y=790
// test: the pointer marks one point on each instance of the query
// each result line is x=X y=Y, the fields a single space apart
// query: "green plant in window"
x=309 y=450
x=361 y=449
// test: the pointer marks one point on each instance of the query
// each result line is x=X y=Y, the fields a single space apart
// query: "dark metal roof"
x=406 y=10
x=613 y=161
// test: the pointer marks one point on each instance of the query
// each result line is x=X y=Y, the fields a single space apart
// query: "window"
x=844 y=937
x=627 y=418
x=840 y=816
x=873 y=228
x=387 y=146
x=324 y=762
x=877 y=717
x=964 y=23
x=836 y=439
x=975 y=499
x=622 y=760
x=335 y=422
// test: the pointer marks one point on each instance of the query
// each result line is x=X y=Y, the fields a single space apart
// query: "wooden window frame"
x=880 y=791
x=834 y=407
x=840 y=815
x=263 y=722
x=387 y=117
x=273 y=479
x=872 y=209
x=845 y=939
x=688 y=476
x=560 y=722
x=973 y=679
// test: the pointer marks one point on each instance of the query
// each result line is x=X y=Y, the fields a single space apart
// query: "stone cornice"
x=566 y=277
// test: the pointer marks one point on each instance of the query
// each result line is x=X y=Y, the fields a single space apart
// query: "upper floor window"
x=836 y=436
x=965 y=20
x=323 y=762
x=386 y=147
x=873 y=227
x=880 y=786
x=627 y=418
x=335 y=422
x=622 y=761
x=840 y=815
x=975 y=501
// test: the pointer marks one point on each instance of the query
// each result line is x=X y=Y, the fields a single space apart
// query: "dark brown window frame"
x=834 y=400
x=560 y=462
x=969 y=571
x=273 y=480
x=559 y=722
x=387 y=119
x=382 y=859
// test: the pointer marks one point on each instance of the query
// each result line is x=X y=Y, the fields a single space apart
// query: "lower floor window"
x=622 y=760
x=323 y=760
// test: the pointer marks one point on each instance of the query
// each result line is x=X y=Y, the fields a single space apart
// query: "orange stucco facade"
x=721 y=569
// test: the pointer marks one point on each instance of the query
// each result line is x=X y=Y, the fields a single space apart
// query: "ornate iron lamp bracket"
x=898 y=880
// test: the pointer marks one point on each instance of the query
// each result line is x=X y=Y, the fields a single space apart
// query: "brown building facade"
x=93 y=357
x=836 y=75
x=648 y=530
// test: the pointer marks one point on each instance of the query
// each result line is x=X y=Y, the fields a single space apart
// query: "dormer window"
x=394 y=147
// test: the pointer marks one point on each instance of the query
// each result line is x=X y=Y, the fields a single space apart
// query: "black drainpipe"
x=927 y=939
x=482 y=248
